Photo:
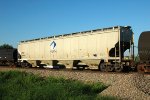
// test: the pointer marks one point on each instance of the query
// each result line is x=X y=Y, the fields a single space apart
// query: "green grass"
x=15 y=85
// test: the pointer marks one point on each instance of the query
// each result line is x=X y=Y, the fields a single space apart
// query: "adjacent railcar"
x=8 y=56
x=144 y=52
x=101 y=49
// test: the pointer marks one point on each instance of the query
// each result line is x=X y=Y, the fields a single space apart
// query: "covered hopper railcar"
x=8 y=56
x=101 y=49
x=144 y=52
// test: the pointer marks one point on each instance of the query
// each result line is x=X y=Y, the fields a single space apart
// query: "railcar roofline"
x=76 y=33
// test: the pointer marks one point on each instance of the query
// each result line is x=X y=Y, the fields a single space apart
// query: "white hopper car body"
x=101 y=49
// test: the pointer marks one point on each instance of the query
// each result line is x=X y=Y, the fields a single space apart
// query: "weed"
x=15 y=85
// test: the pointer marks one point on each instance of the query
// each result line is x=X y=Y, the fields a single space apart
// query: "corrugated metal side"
x=93 y=45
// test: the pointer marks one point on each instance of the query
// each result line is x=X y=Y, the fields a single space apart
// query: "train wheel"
x=24 y=65
x=140 y=69
x=102 y=67
x=118 y=67
x=110 y=68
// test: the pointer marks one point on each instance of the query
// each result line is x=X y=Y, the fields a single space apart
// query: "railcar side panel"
x=101 y=44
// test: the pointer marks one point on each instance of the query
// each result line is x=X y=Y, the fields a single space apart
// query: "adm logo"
x=53 y=46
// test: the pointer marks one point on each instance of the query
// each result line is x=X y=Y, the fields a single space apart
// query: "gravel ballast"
x=130 y=87
x=126 y=86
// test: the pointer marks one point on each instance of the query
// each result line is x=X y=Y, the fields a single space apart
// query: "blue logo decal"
x=53 y=45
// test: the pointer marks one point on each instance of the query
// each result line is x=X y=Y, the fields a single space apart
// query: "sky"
x=29 y=19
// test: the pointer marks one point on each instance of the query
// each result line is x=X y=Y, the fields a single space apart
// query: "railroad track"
x=71 y=70
x=129 y=84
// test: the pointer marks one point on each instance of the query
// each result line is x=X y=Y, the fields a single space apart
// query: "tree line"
x=6 y=46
